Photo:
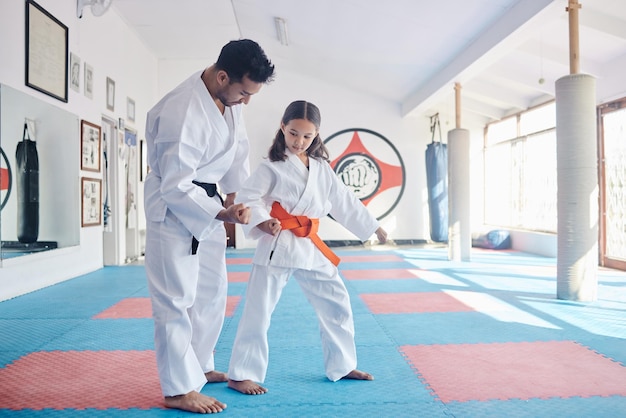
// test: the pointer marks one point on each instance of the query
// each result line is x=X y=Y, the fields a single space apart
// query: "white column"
x=577 y=196
x=459 y=230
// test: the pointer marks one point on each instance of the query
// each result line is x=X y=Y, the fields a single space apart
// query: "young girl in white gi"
x=287 y=194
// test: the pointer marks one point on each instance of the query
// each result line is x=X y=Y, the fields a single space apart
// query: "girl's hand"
x=235 y=214
x=271 y=226
x=381 y=234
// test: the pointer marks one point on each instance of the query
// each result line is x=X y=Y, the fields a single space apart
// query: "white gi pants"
x=188 y=294
x=327 y=294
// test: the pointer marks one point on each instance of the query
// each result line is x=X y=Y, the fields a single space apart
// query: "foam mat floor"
x=482 y=338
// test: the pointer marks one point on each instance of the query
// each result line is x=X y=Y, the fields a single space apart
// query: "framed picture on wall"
x=90 y=146
x=46 y=52
x=74 y=72
x=91 y=206
x=88 y=88
x=130 y=109
x=110 y=94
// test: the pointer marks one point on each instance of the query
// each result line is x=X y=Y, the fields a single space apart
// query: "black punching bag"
x=27 y=189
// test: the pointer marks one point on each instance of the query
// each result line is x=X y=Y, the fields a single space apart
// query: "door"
x=612 y=166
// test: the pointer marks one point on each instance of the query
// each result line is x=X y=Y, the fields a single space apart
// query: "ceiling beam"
x=603 y=23
x=492 y=44
x=481 y=108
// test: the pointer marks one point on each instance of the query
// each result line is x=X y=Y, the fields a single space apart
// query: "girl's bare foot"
x=247 y=387
x=195 y=402
x=216 y=377
x=358 y=375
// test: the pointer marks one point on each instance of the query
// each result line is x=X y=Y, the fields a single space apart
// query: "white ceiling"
x=410 y=52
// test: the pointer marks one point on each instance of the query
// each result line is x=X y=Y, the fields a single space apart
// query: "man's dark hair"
x=245 y=57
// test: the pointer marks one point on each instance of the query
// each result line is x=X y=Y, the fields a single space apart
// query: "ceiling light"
x=281 y=30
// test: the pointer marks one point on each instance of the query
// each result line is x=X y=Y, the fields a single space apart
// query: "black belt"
x=211 y=190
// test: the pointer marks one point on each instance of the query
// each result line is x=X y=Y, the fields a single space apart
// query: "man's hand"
x=235 y=214
x=271 y=226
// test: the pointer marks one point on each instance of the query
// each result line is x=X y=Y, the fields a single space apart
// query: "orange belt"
x=303 y=226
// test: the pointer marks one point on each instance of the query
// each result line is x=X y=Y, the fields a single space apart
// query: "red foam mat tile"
x=383 y=258
x=238 y=276
x=128 y=308
x=523 y=370
x=397 y=303
x=132 y=308
x=378 y=274
x=82 y=379
x=233 y=261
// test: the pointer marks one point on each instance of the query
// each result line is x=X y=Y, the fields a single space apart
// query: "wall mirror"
x=39 y=182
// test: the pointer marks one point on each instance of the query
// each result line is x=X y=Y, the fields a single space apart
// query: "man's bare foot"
x=195 y=402
x=216 y=377
x=247 y=387
x=358 y=375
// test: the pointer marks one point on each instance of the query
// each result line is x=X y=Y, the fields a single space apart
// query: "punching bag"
x=437 y=182
x=27 y=185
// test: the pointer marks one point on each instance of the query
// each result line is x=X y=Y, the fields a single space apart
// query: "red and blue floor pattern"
x=484 y=338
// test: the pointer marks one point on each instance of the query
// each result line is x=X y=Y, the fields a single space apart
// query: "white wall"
x=113 y=51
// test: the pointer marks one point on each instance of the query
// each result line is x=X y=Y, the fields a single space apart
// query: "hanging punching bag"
x=27 y=185
x=437 y=181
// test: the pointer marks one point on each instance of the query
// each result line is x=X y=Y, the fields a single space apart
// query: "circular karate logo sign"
x=360 y=173
x=5 y=179
x=370 y=166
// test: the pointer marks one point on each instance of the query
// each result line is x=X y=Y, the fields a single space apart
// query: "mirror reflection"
x=39 y=166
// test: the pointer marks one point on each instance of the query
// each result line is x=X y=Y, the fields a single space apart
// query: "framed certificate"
x=46 y=52
x=91 y=207
x=90 y=145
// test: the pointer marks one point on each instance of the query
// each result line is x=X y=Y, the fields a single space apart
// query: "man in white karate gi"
x=197 y=142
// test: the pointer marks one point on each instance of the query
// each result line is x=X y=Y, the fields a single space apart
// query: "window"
x=520 y=171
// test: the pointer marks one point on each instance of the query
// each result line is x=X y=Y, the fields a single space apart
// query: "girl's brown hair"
x=300 y=109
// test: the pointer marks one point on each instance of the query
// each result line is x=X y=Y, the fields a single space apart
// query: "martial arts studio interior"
x=486 y=136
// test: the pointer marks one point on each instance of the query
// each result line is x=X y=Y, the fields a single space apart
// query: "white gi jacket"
x=194 y=144
x=315 y=193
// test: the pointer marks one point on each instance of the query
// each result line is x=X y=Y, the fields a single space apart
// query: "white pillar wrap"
x=459 y=233
x=577 y=196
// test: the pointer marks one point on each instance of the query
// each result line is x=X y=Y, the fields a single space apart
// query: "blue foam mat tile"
x=106 y=334
x=318 y=410
x=83 y=306
x=32 y=334
x=396 y=286
x=294 y=331
x=369 y=332
x=239 y=253
x=296 y=375
x=612 y=348
x=395 y=379
x=459 y=328
x=592 y=318
x=8 y=357
x=239 y=267
x=542 y=288
x=417 y=254
x=596 y=407
x=81 y=297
